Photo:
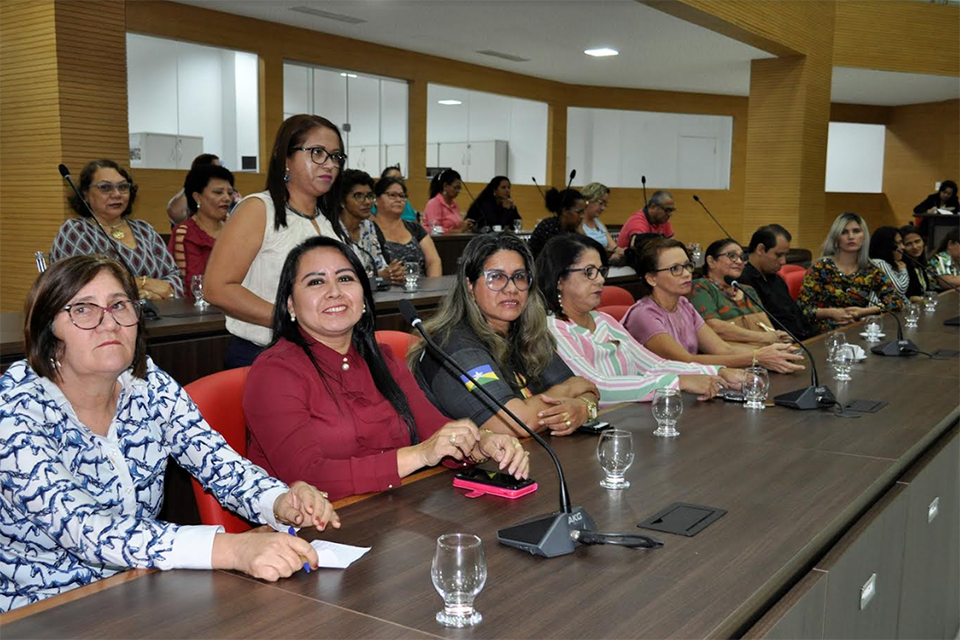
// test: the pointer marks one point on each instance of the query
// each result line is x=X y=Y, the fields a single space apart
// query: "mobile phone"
x=593 y=427
x=731 y=395
x=482 y=481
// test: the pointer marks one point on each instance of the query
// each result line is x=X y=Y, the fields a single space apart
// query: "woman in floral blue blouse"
x=844 y=285
x=87 y=422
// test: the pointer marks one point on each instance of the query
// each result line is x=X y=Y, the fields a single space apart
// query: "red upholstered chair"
x=398 y=341
x=219 y=397
x=794 y=279
x=615 y=310
x=789 y=268
x=615 y=295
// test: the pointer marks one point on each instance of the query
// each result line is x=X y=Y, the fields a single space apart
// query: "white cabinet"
x=164 y=150
x=474 y=161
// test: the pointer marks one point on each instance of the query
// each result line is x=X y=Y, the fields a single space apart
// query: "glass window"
x=673 y=150
x=855 y=157
x=371 y=111
x=185 y=99
x=482 y=135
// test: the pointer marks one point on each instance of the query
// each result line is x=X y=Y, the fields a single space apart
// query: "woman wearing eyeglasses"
x=87 y=425
x=666 y=323
x=108 y=192
x=493 y=323
x=732 y=314
x=301 y=201
x=355 y=212
x=401 y=240
x=571 y=271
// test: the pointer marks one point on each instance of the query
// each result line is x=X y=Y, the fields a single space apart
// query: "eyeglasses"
x=591 y=271
x=600 y=203
x=360 y=197
x=733 y=256
x=88 y=316
x=319 y=155
x=678 y=269
x=497 y=280
x=395 y=195
x=667 y=210
x=106 y=188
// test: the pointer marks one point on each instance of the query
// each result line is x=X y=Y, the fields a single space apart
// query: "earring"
x=286 y=176
x=198 y=204
x=560 y=300
x=293 y=317
x=364 y=307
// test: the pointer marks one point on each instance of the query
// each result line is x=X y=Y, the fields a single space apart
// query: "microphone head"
x=730 y=280
x=64 y=172
x=409 y=312
x=643 y=180
x=534 y=178
x=573 y=174
x=696 y=197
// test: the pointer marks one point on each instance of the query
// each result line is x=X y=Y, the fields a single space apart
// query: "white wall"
x=151 y=85
x=248 y=106
x=855 y=157
x=672 y=150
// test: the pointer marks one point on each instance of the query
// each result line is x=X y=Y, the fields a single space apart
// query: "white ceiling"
x=657 y=51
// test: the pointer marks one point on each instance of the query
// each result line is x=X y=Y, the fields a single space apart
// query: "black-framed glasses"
x=106 y=188
x=678 y=269
x=320 y=155
x=667 y=210
x=88 y=316
x=360 y=197
x=395 y=195
x=733 y=256
x=591 y=271
x=497 y=280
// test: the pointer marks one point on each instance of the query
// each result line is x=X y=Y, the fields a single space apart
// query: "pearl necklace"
x=346 y=365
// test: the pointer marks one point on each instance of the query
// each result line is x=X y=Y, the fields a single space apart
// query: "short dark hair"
x=352 y=178
x=204 y=158
x=715 y=249
x=554 y=262
x=647 y=260
x=385 y=183
x=86 y=180
x=767 y=236
x=882 y=244
x=199 y=177
x=393 y=167
x=52 y=291
x=445 y=177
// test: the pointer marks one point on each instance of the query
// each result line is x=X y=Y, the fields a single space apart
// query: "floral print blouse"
x=825 y=286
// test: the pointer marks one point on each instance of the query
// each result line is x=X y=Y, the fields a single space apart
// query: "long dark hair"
x=364 y=336
x=883 y=244
x=445 y=177
x=554 y=262
x=291 y=135
x=486 y=196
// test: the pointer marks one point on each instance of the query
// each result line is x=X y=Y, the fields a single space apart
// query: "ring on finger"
x=453 y=439
x=324 y=494
x=517 y=445
x=568 y=423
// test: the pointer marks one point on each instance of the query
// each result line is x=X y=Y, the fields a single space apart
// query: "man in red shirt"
x=654 y=218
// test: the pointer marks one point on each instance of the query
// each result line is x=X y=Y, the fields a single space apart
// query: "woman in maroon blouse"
x=326 y=404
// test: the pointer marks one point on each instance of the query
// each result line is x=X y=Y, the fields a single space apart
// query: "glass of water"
x=930 y=300
x=843 y=363
x=756 y=384
x=835 y=341
x=667 y=407
x=196 y=288
x=412 y=277
x=436 y=230
x=459 y=571
x=517 y=226
x=615 y=453
x=696 y=252
x=873 y=329
x=911 y=313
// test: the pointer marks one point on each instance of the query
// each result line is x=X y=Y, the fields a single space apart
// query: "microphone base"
x=548 y=535
x=806 y=398
x=896 y=348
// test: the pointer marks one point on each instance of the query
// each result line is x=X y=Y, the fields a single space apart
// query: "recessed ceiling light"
x=449 y=102
x=603 y=52
x=348 y=75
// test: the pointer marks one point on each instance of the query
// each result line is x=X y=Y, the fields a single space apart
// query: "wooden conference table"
x=816 y=503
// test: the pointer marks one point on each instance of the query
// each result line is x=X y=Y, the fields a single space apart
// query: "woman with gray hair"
x=494 y=324
x=844 y=285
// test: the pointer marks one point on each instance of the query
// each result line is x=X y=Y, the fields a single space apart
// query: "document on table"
x=333 y=555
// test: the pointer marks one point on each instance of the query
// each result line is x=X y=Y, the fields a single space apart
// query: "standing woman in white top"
x=300 y=202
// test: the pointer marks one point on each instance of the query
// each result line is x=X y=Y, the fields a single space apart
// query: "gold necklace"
x=116 y=230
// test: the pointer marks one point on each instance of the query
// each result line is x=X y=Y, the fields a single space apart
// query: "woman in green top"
x=727 y=310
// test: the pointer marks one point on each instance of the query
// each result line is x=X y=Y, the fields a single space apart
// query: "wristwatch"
x=591 y=407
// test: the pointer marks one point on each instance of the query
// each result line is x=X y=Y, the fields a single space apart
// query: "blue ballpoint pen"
x=306 y=565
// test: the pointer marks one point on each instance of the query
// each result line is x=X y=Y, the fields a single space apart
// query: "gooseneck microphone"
x=932 y=272
x=537 y=185
x=717 y=222
x=815 y=396
x=898 y=347
x=573 y=174
x=553 y=534
x=643 y=183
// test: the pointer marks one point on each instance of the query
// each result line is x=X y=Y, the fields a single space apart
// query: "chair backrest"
x=789 y=268
x=794 y=279
x=398 y=341
x=615 y=295
x=219 y=397
x=615 y=310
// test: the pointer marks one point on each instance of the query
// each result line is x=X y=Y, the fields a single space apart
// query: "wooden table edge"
x=74 y=594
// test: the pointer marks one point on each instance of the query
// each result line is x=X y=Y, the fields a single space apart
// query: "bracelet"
x=481 y=460
x=754 y=363
x=143 y=281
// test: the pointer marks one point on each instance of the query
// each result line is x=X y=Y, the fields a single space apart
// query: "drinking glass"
x=615 y=453
x=196 y=288
x=756 y=384
x=459 y=571
x=667 y=407
x=835 y=341
x=872 y=329
x=412 y=277
x=517 y=226
x=696 y=251
x=842 y=363
x=436 y=230
x=911 y=313
x=930 y=300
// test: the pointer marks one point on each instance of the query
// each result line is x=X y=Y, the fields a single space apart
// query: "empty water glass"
x=196 y=288
x=756 y=384
x=873 y=329
x=436 y=230
x=911 y=313
x=842 y=363
x=667 y=407
x=930 y=300
x=412 y=276
x=615 y=453
x=517 y=226
x=459 y=571
x=696 y=251
x=835 y=340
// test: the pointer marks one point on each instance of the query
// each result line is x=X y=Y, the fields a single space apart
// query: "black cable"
x=631 y=540
x=839 y=412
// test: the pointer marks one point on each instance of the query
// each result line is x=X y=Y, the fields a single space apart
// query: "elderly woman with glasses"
x=107 y=194
x=87 y=425
x=597 y=197
x=571 y=271
x=402 y=240
x=666 y=323
x=493 y=323
x=732 y=314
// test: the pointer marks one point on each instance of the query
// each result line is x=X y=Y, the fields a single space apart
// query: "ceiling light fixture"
x=449 y=102
x=602 y=52
x=348 y=75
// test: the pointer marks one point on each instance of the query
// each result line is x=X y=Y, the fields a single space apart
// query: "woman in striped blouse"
x=570 y=272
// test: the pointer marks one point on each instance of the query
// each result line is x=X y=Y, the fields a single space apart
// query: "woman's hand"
x=160 y=288
x=783 y=336
x=732 y=378
x=564 y=416
x=507 y=451
x=267 y=556
x=455 y=439
x=705 y=387
x=395 y=272
x=303 y=506
x=779 y=358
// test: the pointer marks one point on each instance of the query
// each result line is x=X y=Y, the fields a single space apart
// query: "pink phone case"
x=478 y=489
